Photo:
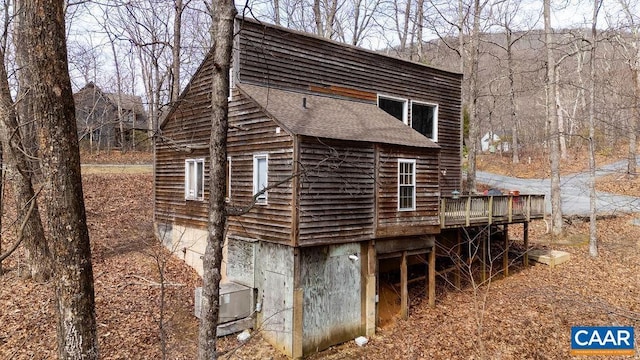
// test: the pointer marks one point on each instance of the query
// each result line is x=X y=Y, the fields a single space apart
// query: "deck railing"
x=481 y=209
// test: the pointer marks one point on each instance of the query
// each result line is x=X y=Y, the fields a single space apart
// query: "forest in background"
x=498 y=45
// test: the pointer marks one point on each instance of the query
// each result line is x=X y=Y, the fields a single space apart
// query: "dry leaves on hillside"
x=535 y=165
x=119 y=216
x=526 y=316
x=619 y=184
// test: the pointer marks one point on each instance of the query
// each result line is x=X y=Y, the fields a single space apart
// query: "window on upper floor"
x=406 y=184
x=260 y=176
x=395 y=107
x=424 y=119
x=194 y=179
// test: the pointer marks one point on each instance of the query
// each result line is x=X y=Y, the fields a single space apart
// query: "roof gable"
x=333 y=118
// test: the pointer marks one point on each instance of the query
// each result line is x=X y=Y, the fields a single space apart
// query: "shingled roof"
x=333 y=118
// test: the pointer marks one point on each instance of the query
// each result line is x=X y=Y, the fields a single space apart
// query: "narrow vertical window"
x=228 y=198
x=194 y=179
x=406 y=184
x=260 y=177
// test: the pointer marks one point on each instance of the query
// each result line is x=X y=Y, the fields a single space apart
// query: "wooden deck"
x=472 y=210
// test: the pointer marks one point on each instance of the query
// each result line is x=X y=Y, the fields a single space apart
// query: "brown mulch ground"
x=116 y=157
x=526 y=315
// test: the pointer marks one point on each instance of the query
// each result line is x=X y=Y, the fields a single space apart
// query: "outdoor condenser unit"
x=236 y=302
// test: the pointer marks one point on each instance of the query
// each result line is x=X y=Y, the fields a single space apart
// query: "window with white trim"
x=424 y=119
x=194 y=179
x=395 y=107
x=406 y=184
x=228 y=197
x=260 y=176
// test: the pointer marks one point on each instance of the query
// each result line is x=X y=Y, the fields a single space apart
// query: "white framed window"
x=396 y=107
x=406 y=184
x=194 y=179
x=232 y=83
x=260 y=176
x=228 y=197
x=424 y=119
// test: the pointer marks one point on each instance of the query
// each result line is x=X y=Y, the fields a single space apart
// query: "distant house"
x=495 y=141
x=98 y=121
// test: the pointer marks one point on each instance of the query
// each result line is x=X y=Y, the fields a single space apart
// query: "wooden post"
x=490 y=210
x=404 y=291
x=368 y=295
x=525 y=235
x=483 y=257
x=432 y=277
x=457 y=260
x=298 y=301
x=468 y=211
x=505 y=256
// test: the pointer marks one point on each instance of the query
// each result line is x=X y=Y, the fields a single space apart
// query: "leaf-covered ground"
x=526 y=315
x=535 y=164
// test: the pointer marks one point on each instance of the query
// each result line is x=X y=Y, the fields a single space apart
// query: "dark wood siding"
x=336 y=192
x=184 y=135
x=277 y=57
x=252 y=132
x=424 y=220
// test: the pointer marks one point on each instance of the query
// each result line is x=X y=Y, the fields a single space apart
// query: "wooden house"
x=98 y=117
x=357 y=149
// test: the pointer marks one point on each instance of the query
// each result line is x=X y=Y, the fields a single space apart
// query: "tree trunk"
x=223 y=13
x=38 y=256
x=474 y=126
x=552 y=119
x=175 y=65
x=593 y=236
x=43 y=33
x=633 y=123
x=515 y=158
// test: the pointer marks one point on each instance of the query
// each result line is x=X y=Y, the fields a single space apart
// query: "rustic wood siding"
x=188 y=126
x=282 y=58
x=336 y=192
x=424 y=219
x=251 y=132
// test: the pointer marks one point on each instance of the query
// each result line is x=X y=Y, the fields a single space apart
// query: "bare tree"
x=593 y=236
x=552 y=120
x=42 y=32
x=20 y=168
x=631 y=53
x=473 y=94
x=223 y=14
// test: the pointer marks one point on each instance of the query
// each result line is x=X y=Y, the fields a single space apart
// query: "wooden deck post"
x=505 y=255
x=525 y=235
x=457 y=260
x=368 y=297
x=404 y=292
x=483 y=257
x=432 y=277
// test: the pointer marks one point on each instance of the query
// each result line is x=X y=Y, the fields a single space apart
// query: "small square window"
x=406 y=184
x=424 y=119
x=194 y=179
x=394 y=107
